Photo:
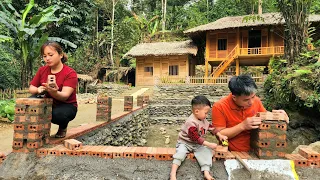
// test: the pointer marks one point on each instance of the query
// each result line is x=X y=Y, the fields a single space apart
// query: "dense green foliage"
x=294 y=87
x=7 y=109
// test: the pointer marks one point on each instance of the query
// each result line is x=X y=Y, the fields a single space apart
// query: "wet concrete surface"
x=28 y=166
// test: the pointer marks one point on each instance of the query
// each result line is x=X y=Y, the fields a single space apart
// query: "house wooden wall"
x=160 y=64
x=270 y=36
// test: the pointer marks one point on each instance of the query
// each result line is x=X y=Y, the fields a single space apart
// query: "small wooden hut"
x=163 y=59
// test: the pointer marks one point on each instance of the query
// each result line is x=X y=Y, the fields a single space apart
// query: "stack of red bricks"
x=2 y=157
x=269 y=140
x=142 y=100
x=306 y=158
x=104 y=105
x=32 y=124
x=128 y=103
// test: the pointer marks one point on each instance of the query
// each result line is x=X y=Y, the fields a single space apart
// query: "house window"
x=222 y=44
x=148 y=70
x=173 y=70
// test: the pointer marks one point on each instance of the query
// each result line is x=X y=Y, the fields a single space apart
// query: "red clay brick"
x=191 y=156
x=151 y=153
x=129 y=152
x=281 y=144
x=269 y=135
x=313 y=163
x=18 y=135
x=19 y=119
x=229 y=155
x=61 y=150
x=263 y=144
x=97 y=151
x=108 y=152
x=47 y=126
x=53 y=151
x=42 y=152
x=17 y=144
x=85 y=150
x=21 y=150
x=72 y=144
x=35 y=128
x=309 y=154
x=162 y=154
x=264 y=126
x=18 y=127
x=281 y=127
x=119 y=152
x=140 y=152
x=35 y=136
x=34 y=145
x=171 y=152
x=221 y=151
x=20 y=109
x=35 y=119
x=298 y=159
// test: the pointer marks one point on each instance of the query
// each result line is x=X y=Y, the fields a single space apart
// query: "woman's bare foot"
x=207 y=175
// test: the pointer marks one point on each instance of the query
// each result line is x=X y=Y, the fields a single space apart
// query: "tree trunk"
x=164 y=9
x=112 y=28
x=295 y=14
x=97 y=33
x=260 y=7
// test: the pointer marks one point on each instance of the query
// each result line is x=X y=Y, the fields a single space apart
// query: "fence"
x=13 y=93
x=224 y=79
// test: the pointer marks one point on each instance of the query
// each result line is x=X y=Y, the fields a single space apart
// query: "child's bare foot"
x=207 y=175
x=173 y=177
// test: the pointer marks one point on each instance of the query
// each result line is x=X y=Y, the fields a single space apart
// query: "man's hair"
x=200 y=101
x=242 y=85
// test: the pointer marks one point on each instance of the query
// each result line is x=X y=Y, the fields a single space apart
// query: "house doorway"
x=254 y=39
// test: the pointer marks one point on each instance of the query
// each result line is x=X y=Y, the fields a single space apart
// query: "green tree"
x=28 y=32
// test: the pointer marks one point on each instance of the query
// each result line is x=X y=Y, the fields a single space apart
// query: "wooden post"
x=207 y=55
x=237 y=67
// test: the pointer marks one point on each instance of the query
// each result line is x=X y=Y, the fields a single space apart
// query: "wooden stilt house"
x=235 y=41
x=157 y=61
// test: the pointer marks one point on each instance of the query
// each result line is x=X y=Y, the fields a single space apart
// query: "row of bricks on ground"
x=130 y=152
x=28 y=145
x=306 y=157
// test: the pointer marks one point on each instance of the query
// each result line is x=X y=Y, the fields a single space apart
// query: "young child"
x=191 y=138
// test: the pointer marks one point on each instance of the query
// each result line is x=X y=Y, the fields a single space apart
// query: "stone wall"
x=130 y=130
x=112 y=90
x=172 y=104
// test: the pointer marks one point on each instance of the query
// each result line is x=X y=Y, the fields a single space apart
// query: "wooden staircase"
x=225 y=63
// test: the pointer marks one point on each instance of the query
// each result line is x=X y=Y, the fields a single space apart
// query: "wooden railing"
x=223 y=79
x=224 y=64
x=13 y=93
x=262 y=51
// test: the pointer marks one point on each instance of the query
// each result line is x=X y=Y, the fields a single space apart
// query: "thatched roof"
x=163 y=49
x=84 y=77
x=237 y=21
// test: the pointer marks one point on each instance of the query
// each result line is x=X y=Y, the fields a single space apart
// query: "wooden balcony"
x=271 y=51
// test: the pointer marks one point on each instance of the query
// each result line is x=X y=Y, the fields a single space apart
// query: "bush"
x=7 y=109
x=296 y=86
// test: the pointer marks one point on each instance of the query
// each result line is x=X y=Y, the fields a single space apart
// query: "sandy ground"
x=86 y=115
